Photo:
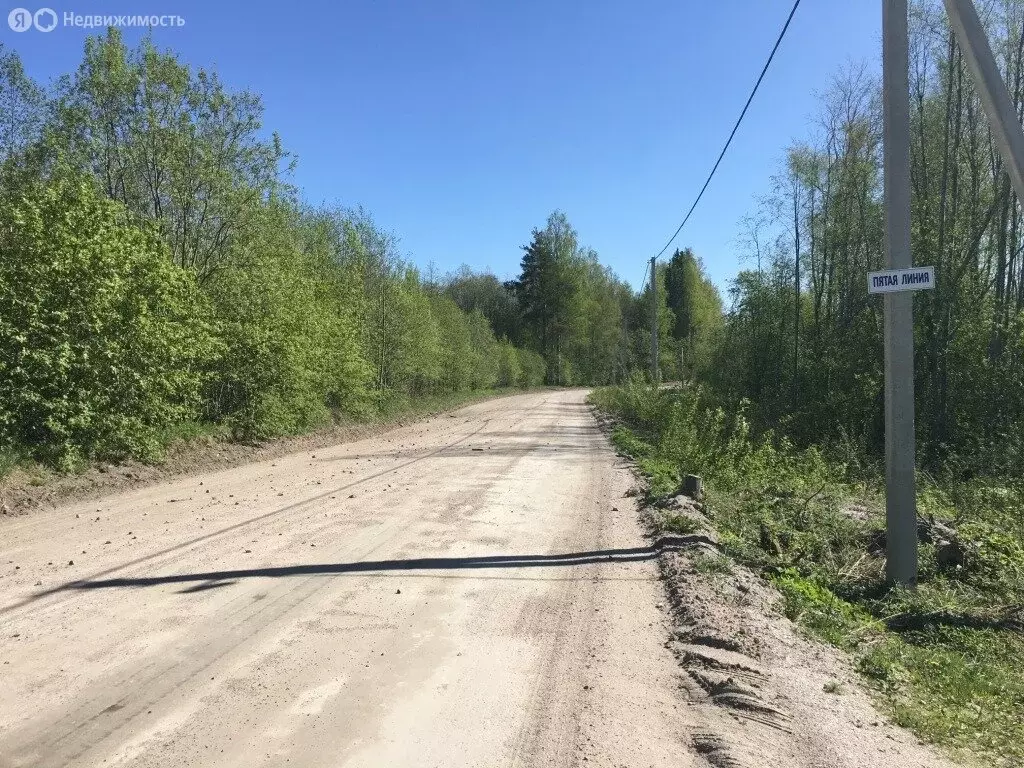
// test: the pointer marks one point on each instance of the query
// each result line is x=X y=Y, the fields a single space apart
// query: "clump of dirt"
x=767 y=695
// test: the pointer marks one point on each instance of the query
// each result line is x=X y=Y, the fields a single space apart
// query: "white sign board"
x=893 y=280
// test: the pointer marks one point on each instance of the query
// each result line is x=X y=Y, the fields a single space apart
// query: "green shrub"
x=484 y=351
x=814 y=605
x=531 y=367
x=684 y=525
x=995 y=560
x=510 y=369
x=103 y=340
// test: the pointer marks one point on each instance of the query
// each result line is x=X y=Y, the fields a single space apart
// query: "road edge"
x=22 y=494
x=766 y=692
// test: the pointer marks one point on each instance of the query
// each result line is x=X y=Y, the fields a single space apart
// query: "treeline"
x=157 y=270
x=588 y=326
x=803 y=339
x=160 y=271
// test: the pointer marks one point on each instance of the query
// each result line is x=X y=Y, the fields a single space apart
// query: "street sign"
x=894 y=280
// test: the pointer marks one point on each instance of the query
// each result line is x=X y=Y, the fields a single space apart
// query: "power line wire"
x=767 y=64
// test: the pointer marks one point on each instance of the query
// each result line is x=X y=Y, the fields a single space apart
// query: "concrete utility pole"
x=900 y=492
x=995 y=98
x=900 y=502
x=655 y=368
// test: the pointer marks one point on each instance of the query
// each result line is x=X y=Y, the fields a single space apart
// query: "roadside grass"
x=945 y=660
x=684 y=525
x=712 y=565
x=662 y=475
x=10 y=459
x=14 y=463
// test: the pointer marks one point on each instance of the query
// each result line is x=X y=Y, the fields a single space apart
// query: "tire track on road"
x=181 y=547
x=151 y=684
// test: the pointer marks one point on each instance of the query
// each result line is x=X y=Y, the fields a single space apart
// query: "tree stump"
x=693 y=486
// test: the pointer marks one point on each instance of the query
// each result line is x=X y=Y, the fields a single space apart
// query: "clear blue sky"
x=460 y=124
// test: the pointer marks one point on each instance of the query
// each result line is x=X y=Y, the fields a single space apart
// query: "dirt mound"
x=765 y=694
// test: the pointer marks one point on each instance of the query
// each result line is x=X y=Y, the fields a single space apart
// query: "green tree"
x=546 y=288
x=171 y=144
x=510 y=368
x=22 y=106
x=486 y=293
x=696 y=312
x=278 y=315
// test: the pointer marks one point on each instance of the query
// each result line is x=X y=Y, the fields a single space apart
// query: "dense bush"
x=531 y=368
x=696 y=436
x=103 y=340
x=288 y=335
x=509 y=369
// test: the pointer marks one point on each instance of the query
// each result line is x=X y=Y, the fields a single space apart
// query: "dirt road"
x=472 y=590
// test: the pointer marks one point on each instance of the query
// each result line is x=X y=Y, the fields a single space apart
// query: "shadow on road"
x=244 y=523
x=214 y=579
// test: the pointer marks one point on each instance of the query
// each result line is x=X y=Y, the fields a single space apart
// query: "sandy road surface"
x=447 y=594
